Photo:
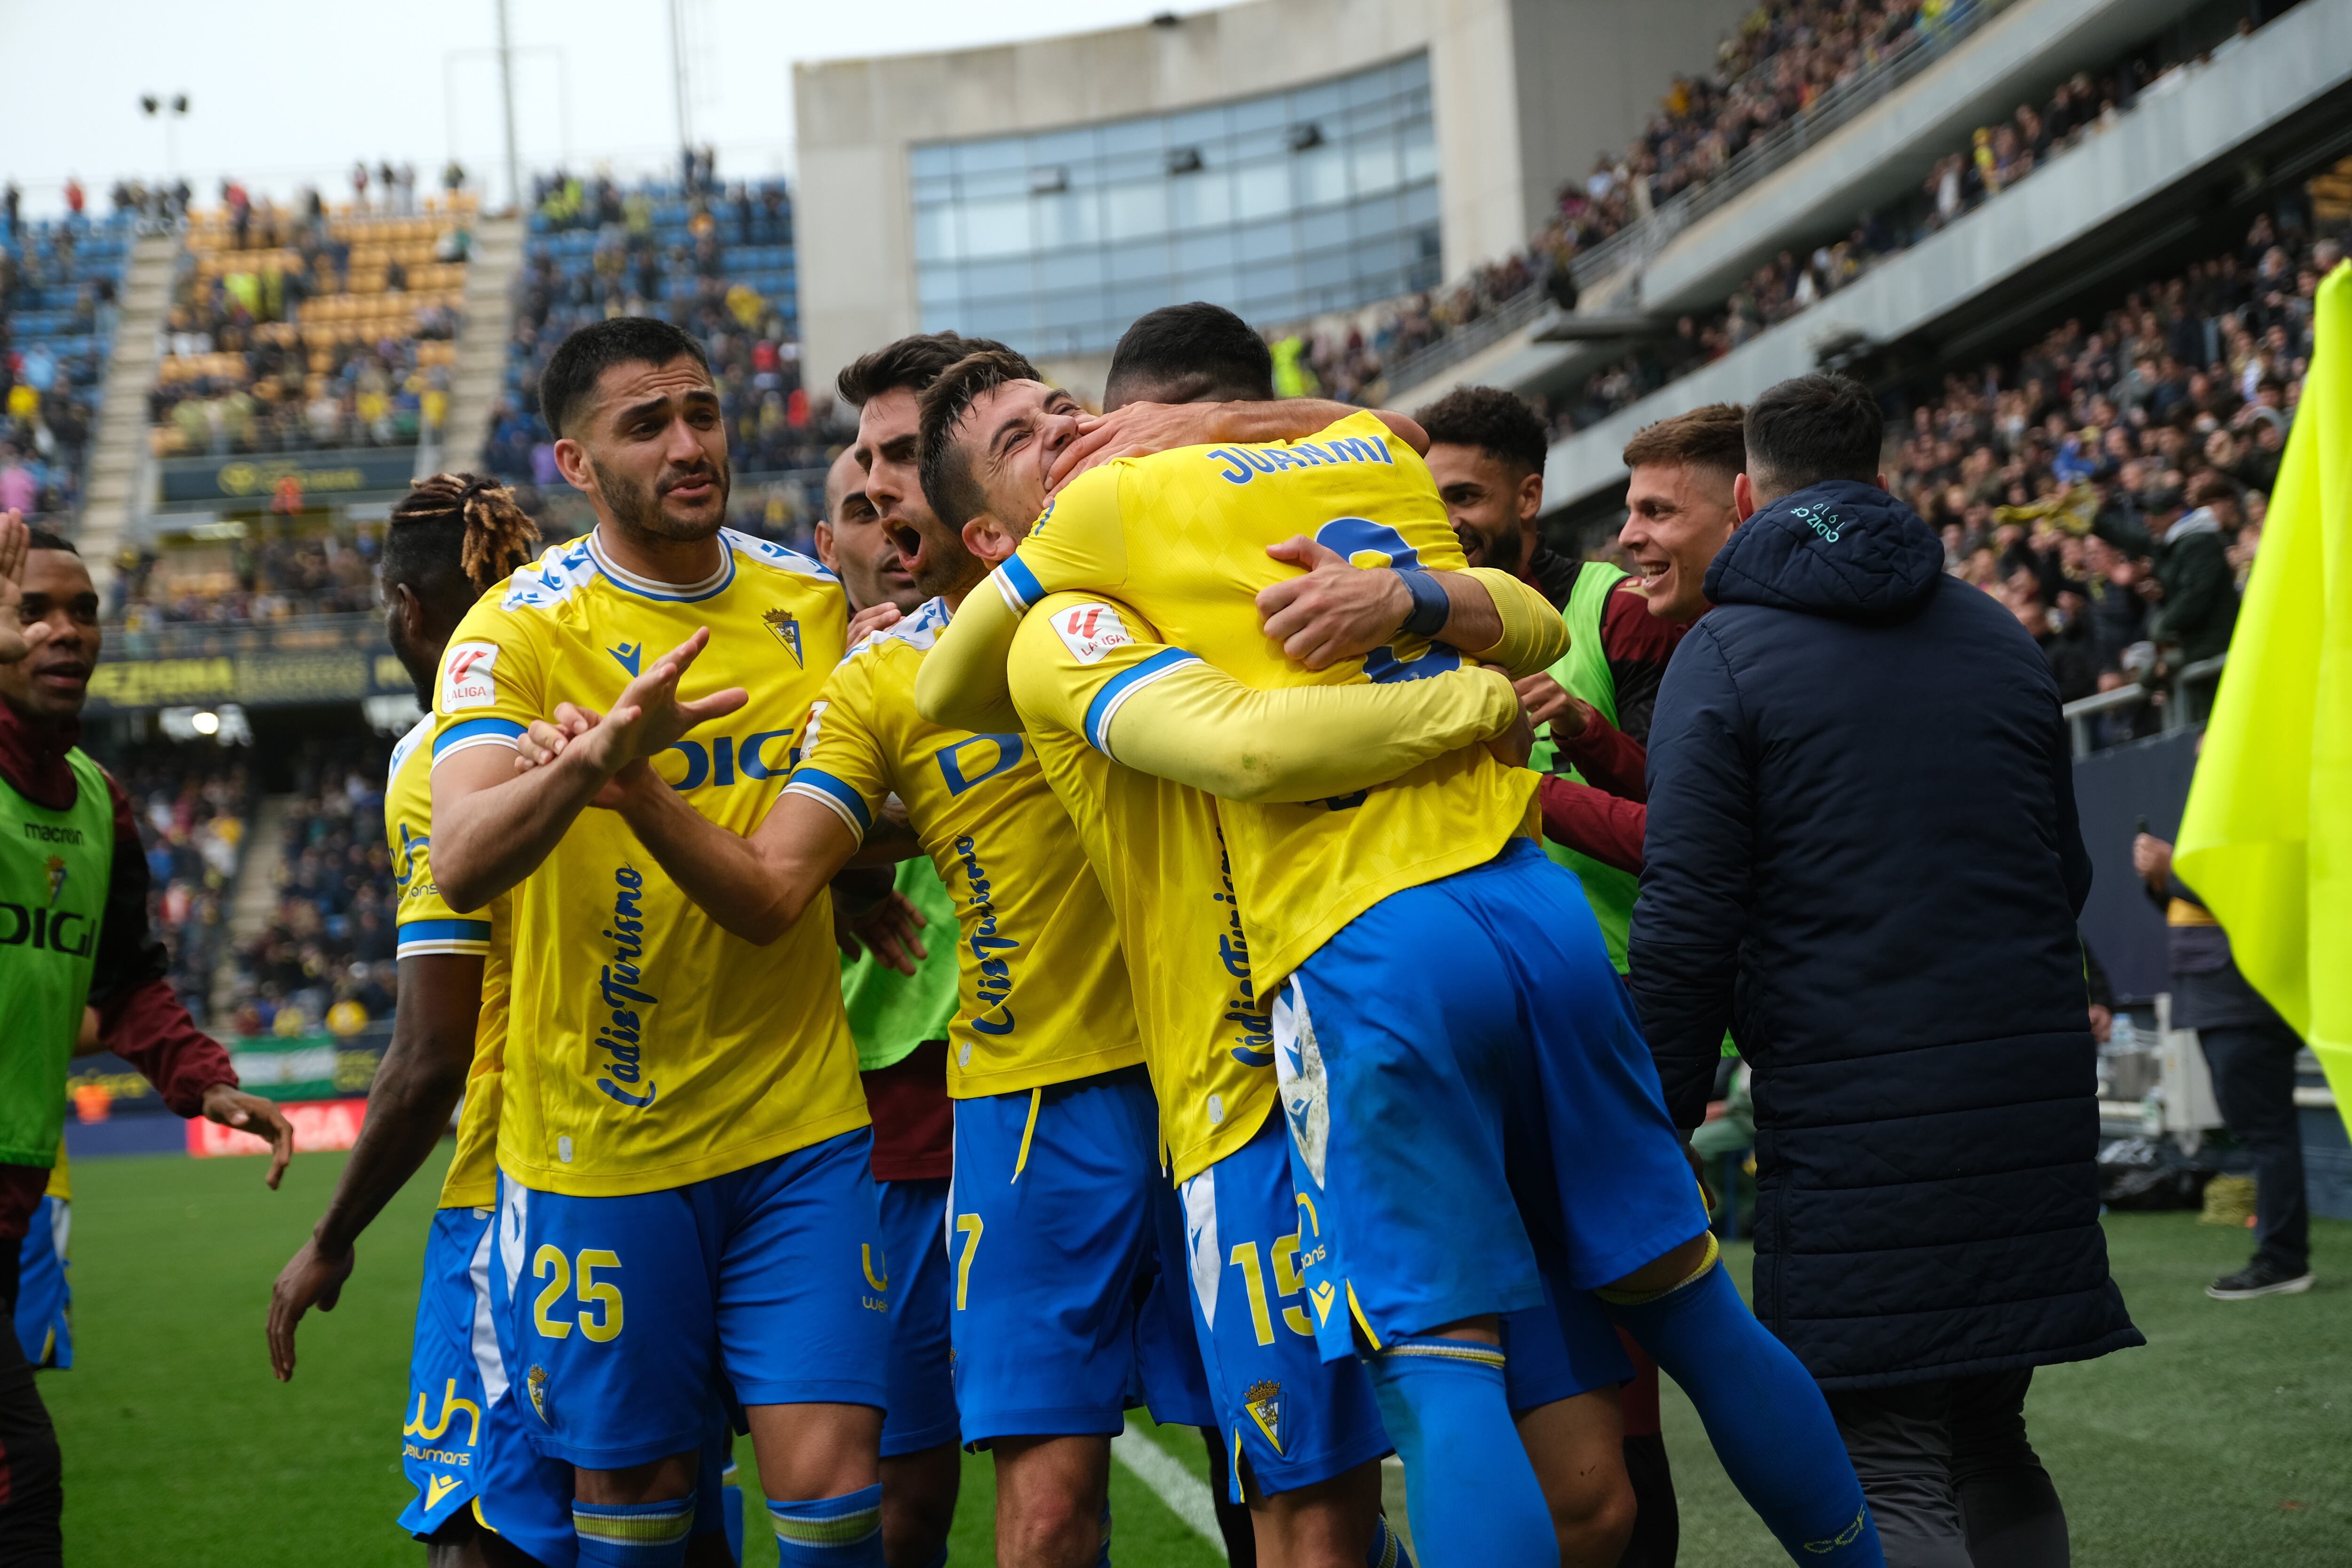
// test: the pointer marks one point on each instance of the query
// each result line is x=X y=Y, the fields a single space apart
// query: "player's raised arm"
x=1097 y=669
x=1338 y=611
x=492 y=826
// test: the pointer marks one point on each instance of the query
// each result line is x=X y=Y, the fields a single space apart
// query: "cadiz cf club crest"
x=1264 y=1401
x=787 y=629
x=537 y=1384
x=56 y=879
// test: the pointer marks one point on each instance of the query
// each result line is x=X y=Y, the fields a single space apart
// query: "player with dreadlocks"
x=450 y=539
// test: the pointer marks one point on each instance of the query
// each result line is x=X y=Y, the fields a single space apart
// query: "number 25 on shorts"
x=551 y=1265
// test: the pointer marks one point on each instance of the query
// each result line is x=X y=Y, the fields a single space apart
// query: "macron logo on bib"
x=1090 y=631
x=469 y=678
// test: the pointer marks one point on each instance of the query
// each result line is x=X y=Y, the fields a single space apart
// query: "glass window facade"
x=1320 y=198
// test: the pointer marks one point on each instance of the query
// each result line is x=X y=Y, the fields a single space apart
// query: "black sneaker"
x=2259 y=1278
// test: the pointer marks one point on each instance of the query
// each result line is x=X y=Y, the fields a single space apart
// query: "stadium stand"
x=327 y=937
x=263 y=579
x=718 y=261
x=1770 y=71
x=1995 y=158
x=194 y=804
x=293 y=330
x=58 y=282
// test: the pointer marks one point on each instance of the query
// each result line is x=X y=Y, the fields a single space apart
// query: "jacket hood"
x=1842 y=549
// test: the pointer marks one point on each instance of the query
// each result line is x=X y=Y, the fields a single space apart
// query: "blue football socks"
x=1763 y=1413
x=633 y=1535
x=1472 y=1493
x=1387 y=1550
x=843 y=1532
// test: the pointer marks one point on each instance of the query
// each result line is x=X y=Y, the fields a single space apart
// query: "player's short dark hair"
x=39 y=538
x=1196 y=352
x=949 y=483
x=569 y=378
x=1714 y=436
x=914 y=361
x=454 y=536
x=1496 y=422
x=1809 y=430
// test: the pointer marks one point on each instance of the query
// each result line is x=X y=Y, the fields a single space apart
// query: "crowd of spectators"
x=192 y=804
x=326 y=958
x=1768 y=70
x=717 y=260
x=270 y=578
x=1997 y=157
x=2110 y=483
x=58 y=307
x=298 y=329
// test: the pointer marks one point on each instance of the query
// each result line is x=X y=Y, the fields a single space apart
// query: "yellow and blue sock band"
x=829 y=1529
x=642 y=1532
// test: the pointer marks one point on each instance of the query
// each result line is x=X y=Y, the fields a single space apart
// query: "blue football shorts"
x=1458 y=1049
x=44 y=1294
x=1290 y=1417
x=442 y=1436
x=628 y=1311
x=1069 y=1265
x=916 y=1269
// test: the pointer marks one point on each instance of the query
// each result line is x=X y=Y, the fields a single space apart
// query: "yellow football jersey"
x=1155 y=843
x=1182 y=536
x=429 y=925
x=647 y=1047
x=1044 y=990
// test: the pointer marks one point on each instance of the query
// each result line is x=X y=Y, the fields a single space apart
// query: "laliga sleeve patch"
x=1090 y=631
x=469 y=676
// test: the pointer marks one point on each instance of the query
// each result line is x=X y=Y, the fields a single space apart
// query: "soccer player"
x=449 y=540
x=73 y=889
x=900 y=1024
x=1562 y=1398
x=1401 y=1093
x=683 y=1146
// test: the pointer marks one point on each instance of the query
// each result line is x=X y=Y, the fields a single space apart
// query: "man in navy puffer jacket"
x=1862 y=856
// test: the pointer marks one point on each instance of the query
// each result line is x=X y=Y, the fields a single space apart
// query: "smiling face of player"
x=853 y=541
x=652 y=452
x=932 y=553
x=1011 y=436
x=49 y=685
x=1677 y=517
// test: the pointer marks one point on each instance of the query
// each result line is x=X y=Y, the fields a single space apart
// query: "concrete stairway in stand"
x=479 y=374
x=254 y=900
x=118 y=455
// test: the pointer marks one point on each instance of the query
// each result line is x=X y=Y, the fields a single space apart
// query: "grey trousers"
x=1951 y=1480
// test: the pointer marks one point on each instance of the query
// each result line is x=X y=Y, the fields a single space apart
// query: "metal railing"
x=1784 y=143
x=2080 y=714
x=1501 y=321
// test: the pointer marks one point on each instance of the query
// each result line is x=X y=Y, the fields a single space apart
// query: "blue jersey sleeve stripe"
x=1019 y=585
x=836 y=794
x=444 y=935
x=1118 y=688
x=474 y=732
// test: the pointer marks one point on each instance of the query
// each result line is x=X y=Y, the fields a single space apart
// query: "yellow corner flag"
x=2266 y=839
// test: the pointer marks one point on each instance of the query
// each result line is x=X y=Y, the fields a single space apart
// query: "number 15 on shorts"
x=596 y=1304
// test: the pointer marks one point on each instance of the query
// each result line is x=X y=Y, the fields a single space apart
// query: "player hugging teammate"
x=1293 y=1094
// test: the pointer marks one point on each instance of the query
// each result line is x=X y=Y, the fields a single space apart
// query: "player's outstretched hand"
x=647 y=717
x=871 y=619
x=1547 y=702
x=1137 y=431
x=887 y=930
x=310 y=1278
x=17 y=640
x=232 y=1107
x=1336 y=610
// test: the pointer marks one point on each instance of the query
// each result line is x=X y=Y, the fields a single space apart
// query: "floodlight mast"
x=506 y=90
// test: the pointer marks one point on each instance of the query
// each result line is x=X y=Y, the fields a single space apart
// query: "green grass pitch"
x=2226 y=1441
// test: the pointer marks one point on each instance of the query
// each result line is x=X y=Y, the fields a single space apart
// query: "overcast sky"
x=287 y=92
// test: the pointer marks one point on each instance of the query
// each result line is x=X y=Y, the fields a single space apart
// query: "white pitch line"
x=1186 y=1495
